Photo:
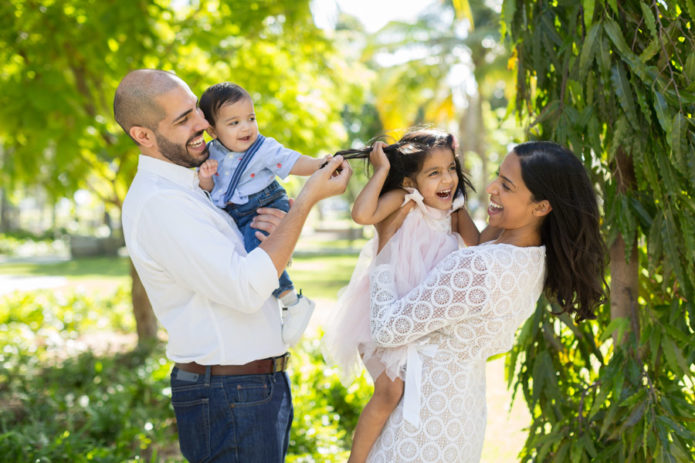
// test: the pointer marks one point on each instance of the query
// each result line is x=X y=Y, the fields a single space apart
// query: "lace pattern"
x=423 y=241
x=469 y=307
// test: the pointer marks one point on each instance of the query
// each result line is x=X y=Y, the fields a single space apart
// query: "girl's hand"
x=207 y=169
x=378 y=158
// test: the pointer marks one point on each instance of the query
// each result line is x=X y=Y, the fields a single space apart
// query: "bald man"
x=230 y=391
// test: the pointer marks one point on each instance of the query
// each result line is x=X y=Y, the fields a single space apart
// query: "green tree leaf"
x=588 y=50
x=648 y=17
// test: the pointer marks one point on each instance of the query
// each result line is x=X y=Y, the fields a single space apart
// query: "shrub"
x=59 y=402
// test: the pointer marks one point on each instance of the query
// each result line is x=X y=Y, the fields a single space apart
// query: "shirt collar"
x=184 y=176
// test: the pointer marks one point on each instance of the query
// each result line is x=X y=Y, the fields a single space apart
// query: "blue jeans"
x=273 y=196
x=232 y=419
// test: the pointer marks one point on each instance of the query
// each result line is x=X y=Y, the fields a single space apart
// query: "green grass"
x=97 y=274
x=317 y=275
x=321 y=276
x=90 y=268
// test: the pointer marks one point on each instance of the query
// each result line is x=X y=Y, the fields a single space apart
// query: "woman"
x=469 y=307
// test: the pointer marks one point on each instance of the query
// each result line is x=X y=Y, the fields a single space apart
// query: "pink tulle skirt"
x=422 y=241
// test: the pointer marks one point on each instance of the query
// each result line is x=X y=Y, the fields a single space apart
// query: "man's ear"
x=143 y=136
x=542 y=208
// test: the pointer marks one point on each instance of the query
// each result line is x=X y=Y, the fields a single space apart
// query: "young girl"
x=421 y=174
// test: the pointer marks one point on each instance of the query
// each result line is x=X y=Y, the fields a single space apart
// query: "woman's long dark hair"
x=574 y=248
x=407 y=156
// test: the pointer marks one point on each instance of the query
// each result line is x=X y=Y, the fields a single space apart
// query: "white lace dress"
x=466 y=310
x=423 y=241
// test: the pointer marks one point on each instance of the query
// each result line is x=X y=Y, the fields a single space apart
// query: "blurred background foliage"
x=612 y=80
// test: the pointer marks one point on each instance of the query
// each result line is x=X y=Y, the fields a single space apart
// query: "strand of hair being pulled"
x=363 y=153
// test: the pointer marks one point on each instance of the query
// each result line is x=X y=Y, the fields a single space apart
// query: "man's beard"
x=179 y=154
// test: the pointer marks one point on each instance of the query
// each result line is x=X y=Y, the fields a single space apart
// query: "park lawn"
x=98 y=274
x=319 y=275
x=322 y=275
x=85 y=268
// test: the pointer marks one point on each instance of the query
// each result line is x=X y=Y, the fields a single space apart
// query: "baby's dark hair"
x=218 y=95
x=574 y=248
x=407 y=156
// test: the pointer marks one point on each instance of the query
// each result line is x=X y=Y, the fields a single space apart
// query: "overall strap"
x=245 y=160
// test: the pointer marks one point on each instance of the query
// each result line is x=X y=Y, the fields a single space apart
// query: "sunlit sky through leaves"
x=374 y=14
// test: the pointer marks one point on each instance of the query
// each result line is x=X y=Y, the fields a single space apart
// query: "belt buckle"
x=280 y=363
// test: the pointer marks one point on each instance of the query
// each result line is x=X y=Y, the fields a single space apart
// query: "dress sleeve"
x=454 y=290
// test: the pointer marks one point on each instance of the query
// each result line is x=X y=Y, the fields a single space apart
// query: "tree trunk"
x=472 y=129
x=624 y=274
x=145 y=320
x=624 y=280
x=4 y=211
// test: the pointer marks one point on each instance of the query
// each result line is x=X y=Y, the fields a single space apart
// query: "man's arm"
x=328 y=181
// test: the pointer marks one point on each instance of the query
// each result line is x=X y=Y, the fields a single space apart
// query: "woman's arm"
x=454 y=290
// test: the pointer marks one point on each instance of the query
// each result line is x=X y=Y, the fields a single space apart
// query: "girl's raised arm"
x=369 y=207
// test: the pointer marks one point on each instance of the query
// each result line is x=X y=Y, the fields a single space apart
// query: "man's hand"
x=328 y=181
x=267 y=220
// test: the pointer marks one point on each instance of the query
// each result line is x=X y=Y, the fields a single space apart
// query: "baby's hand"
x=208 y=169
x=378 y=158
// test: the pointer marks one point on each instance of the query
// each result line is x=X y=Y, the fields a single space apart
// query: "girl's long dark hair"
x=407 y=156
x=574 y=248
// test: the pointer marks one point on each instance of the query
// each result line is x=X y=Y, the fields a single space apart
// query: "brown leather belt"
x=257 y=367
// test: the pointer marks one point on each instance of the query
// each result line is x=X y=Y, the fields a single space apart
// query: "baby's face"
x=236 y=126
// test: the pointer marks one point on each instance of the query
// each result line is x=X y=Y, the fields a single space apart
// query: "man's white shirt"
x=214 y=299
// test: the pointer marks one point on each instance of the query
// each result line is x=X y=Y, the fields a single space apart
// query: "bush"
x=325 y=412
x=58 y=403
x=27 y=244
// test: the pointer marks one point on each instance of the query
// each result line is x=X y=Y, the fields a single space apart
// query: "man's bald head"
x=135 y=101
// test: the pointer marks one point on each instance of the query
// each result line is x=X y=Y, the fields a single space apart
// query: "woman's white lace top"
x=466 y=310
